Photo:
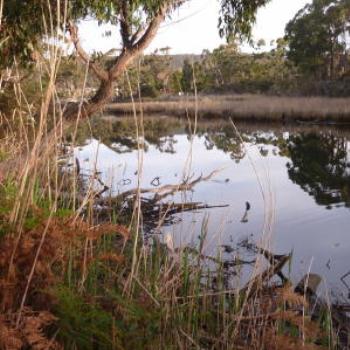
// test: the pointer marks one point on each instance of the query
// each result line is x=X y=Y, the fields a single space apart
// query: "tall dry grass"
x=249 y=107
x=69 y=281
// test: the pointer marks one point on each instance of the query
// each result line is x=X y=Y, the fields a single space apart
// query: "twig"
x=252 y=285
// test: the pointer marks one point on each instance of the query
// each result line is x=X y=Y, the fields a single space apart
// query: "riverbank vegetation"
x=74 y=278
x=288 y=66
x=246 y=107
x=78 y=268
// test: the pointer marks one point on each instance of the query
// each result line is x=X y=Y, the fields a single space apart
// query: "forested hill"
x=177 y=61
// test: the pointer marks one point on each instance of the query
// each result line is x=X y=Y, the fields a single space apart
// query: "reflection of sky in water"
x=316 y=235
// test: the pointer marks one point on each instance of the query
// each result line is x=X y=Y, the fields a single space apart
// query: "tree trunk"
x=93 y=105
x=332 y=61
x=103 y=94
x=108 y=77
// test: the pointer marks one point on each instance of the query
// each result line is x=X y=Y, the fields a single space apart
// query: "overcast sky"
x=194 y=27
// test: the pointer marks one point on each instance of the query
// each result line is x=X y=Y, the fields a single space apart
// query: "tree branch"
x=151 y=30
x=137 y=34
x=125 y=26
x=154 y=25
x=129 y=53
x=100 y=72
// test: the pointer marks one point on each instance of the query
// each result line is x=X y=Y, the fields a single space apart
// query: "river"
x=294 y=179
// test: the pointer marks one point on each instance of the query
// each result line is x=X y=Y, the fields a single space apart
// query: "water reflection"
x=308 y=170
x=227 y=142
x=319 y=160
x=320 y=164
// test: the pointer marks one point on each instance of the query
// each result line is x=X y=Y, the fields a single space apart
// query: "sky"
x=193 y=27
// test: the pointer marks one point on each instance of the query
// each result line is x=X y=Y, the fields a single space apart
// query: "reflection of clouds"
x=302 y=223
x=102 y=159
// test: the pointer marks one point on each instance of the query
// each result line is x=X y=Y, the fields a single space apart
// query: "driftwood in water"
x=196 y=253
x=160 y=214
x=160 y=192
x=309 y=284
x=276 y=265
x=156 y=210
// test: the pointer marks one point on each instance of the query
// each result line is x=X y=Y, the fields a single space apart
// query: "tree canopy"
x=26 y=23
x=317 y=37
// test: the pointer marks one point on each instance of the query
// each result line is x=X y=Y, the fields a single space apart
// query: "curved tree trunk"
x=131 y=50
x=93 y=105
x=105 y=91
x=133 y=45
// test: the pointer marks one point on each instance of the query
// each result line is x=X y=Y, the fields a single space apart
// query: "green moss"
x=8 y=192
x=64 y=213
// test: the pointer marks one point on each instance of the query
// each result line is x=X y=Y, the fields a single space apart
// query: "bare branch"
x=163 y=191
x=100 y=72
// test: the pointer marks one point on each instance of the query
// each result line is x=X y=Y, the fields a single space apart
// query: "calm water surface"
x=296 y=179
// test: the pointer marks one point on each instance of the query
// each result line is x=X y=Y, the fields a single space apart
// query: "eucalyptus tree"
x=317 y=36
x=187 y=77
x=26 y=23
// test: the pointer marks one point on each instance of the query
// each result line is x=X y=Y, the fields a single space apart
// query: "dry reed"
x=248 y=107
x=100 y=286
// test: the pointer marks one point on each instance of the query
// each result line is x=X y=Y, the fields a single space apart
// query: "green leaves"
x=237 y=17
x=26 y=23
x=316 y=35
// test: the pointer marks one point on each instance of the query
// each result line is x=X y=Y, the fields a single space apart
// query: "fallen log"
x=160 y=192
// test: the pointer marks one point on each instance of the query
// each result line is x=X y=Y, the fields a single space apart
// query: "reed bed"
x=248 y=108
x=69 y=280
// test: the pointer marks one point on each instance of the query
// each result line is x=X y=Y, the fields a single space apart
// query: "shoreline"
x=308 y=110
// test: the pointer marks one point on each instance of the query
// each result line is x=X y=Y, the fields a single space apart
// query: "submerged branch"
x=156 y=211
x=159 y=193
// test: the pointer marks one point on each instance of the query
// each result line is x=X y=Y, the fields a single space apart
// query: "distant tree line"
x=311 y=59
x=317 y=39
